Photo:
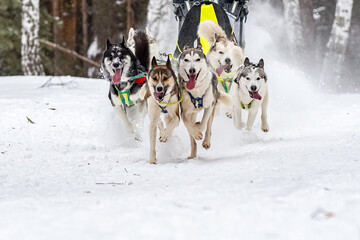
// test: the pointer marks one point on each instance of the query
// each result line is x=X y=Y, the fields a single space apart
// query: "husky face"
x=225 y=56
x=161 y=80
x=117 y=62
x=193 y=66
x=252 y=79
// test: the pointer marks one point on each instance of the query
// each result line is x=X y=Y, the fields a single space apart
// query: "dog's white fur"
x=248 y=76
x=172 y=117
x=205 y=86
x=222 y=50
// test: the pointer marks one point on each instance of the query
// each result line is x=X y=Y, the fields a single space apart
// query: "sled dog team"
x=140 y=82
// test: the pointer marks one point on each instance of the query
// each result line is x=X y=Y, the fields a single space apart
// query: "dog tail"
x=142 y=48
x=225 y=99
x=211 y=31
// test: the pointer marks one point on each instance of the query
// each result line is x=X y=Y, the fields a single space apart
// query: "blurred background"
x=68 y=37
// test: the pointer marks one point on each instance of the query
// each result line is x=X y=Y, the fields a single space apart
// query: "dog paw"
x=196 y=133
x=206 y=144
x=152 y=161
x=240 y=126
x=191 y=157
x=229 y=115
x=164 y=136
x=265 y=128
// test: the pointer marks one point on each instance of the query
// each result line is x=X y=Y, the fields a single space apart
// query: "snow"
x=77 y=174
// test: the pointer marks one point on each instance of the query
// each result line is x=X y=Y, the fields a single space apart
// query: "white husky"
x=249 y=92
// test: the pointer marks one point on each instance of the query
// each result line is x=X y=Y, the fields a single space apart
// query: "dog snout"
x=227 y=60
x=253 y=88
x=159 y=88
x=116 y=65
x=192 y=71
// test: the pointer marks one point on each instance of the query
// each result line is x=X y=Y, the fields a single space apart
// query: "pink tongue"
x=116 y=79
x=191 y=83
x=220 y=69
x=255 y=95
x=158 y=95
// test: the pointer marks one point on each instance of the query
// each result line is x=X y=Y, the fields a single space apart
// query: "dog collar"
x=246 y=106
x=197 y=102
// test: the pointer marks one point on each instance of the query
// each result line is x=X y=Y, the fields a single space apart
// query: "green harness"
x=246 y=106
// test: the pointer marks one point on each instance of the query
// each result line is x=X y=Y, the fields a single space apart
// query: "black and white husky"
x=126 y=70
x=250 y=92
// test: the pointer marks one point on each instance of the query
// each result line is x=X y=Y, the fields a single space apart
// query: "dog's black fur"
x=139 y=62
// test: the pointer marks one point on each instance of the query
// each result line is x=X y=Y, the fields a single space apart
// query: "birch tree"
x=292 y=14
x=30 y=49
x=337 y=44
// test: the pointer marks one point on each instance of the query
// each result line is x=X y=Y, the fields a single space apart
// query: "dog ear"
x=261 y=63
x=168 y=63
x=108 y=43
x=186 y=47
x=123 y=43
x=153 y=62
x=232 y=39
x=131 y=34
x=199 y=46
x=247 y=62
x=147 y=31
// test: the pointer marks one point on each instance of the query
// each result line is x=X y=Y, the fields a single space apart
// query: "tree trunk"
x=30 y=49
x=337 y=44
x=129 y=15
x=85 y=34
x=56 y=15
x=294 y=28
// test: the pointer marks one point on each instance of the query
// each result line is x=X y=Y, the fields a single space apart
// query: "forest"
x=322 y=36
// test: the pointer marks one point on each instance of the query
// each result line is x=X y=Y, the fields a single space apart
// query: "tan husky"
x=162 y=94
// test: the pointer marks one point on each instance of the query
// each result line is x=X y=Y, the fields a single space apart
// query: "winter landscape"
x=70 y=170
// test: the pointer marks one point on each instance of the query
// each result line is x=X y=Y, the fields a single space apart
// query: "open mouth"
x=159 y=96
x=116 y=79
x=192 y=80
x=227 y=68
x=255 y=95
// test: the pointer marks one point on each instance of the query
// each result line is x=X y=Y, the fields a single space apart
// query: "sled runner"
x=229 y=14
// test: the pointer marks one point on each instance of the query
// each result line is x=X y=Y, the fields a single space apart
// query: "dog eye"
x=198 y=60
x=247 y=78
x=186 y=60
x=258 y=78
x=221 y=52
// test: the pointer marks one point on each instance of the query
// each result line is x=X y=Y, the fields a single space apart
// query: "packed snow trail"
x=75 y=175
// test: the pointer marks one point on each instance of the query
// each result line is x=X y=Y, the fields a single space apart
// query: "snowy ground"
x=75 y=175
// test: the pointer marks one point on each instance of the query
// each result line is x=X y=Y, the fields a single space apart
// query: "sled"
x=229 y=14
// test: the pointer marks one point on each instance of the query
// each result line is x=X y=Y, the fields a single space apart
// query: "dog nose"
x=159 y=88
x=192 y=71
x=116 y=65
x=253 y=88
x=227 y=60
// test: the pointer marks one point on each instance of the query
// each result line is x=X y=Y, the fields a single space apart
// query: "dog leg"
x=239 y=124
x=193 y=148
x=189 y=122
x=172 y=121
x=251 y=118
x=206 y=143
x=121 y=112
x=207 y=113
x=152 y=135
x=264 y=123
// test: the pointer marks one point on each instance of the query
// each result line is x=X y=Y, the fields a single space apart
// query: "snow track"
x=75 y=175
